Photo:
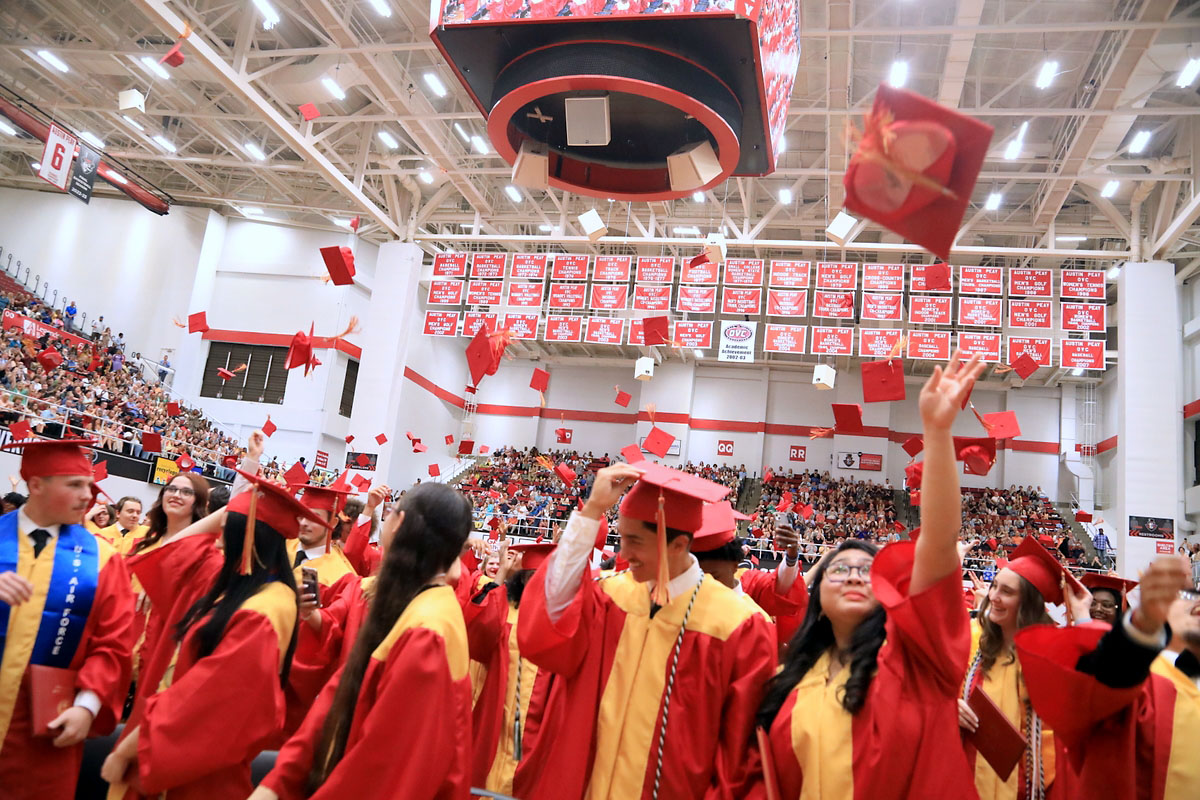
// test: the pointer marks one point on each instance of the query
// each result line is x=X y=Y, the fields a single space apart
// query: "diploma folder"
x=51 y=692
x=996 y=739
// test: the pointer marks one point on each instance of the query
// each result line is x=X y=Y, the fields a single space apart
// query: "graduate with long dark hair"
x=864 y=705
x=396 y=720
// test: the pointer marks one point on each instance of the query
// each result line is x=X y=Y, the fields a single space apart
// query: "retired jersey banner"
x=488 y=265
x=568 y=295
x=450 y=265
x=610 y=298
x=889 y=307
x=1030 y=283
x=697 y=299
x=1081 y=354
x=929 y=310
x=917 y=281
x=787 y=274
x=981 y=280
x=737 y=341
x=1030 y=313
x=528 y=266
x=484 y=293
x=705 y=272
x=57 y=155
x=569 y=268
x=1083 y=317
x=445 y=293
x=744 y=271
x=612 y=268
x=987 y=345
x=741 y=301
x=929 y=345
x=652 y=298
x=441 y=323
x=655 y=269
x=523 y=326
x=883 y=277
x=1037 y=348
x=693 y=334
x=474 y=320
x=832 y=341
x=787 y=302
x=833 y=305
x=561 y=328
x=835 y=275
x=525 y=295
x=1085 y=284
x=877 y=342
x=987 y=311
x=604 y=330
x=784 y=339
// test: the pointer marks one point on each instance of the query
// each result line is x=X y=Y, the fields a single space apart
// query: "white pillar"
x=192 y=350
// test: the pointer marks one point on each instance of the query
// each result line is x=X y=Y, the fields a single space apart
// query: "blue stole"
x=69 y=600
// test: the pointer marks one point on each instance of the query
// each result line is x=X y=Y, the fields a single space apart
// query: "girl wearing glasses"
x=864 y=705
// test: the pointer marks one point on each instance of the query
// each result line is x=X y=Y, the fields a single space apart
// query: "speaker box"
x=592 y=225
x=693 y=167
x=643 y=368
x=824 y=376
x=532 y=167
x=587 y=121
x=714 y=248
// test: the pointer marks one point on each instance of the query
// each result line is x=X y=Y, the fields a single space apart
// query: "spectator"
x=163 y=366
x=98 y=328
x=70 y=311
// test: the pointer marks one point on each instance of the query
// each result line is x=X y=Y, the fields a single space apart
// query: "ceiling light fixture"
x=513 y=193
x=53 y=60
x=255 y=151
x=686 y=230
x=898 y=74
x=381 y=8
x=1046 y=74
x=785 y=196
x=133 y=122
x=162 y=142
x=1187 y=75
x=1070 y=238
x=1113 y=273
x=155 y=67
x=331 y=86
x=698 y=197
x=37 y=165
x=782 y=143
x=426 y=176
x=388 y=140
x=479 y=144
x=341 y=222
x=251 y=211
x=698 y=353
x=545 y=228
x=6 y=128
x=462 y=133
x=117 y=177
x=993 y=201
x=1110 y=188
x=270 y=15
x=1140 y=140
x=435 y=84
x=92 y=139
x=1077 y=372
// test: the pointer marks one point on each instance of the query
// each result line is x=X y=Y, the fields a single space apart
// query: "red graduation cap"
x=1118 y=586
x=45 y=458
x=266 y=501
x=99 y=471
x=565 y=474
x=485 y=352
x=978 y=455
x=658 y=442
x=300 y=351
x=449 y=439
x=632 y=454
x=198 y=322
x=883 y=381
x=296 y=475
x=174 y=56
x=512 y=490
x=1033 y=562
x=1002 y=424
x=913 y=473
x=1024 y=366
x=913 y=445
x=656 y=330
x=418 y=446
x=915 y=168
x=20 y=429
x=696 y=261
x=411 y=436
x=898 y=526
x=355 y=221
x=1083 y=516
x=540 y=379
x=532 y=555
x=718 y=528
x=229 y=461
x=381 y=438
x=269 y=427
x=466 y=447
x=184 y=462
x=806 y=510
x=785 y=503
x=360 y=482
x=434 y=470
x=623 y=398
x=225 y=374
x=683 y=494
x=937 y=277
x=49 y=358
x=483 y=449
x=847 y=417
x=325 y=498
x=339 y=263
x=563 y=436
x=151 y=442
x=309 y=111
x=601 y=534
x=362 y=459
x=349 y=438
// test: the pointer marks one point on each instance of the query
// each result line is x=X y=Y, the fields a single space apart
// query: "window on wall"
x=263 y=381
x=348 y=386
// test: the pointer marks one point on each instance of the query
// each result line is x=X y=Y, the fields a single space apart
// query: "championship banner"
x=604 y=330
x=36 y=330
x=737 y=341
x=697 y=299
x=877 y=342
x=568 y=295
x=1030 y=313
x=741 y=301
x=1036 y=348
x=985 y=311
x=1086 y=317
x=832 y=341
x=57 y=155
x=835 y=275
x=655 y=269
x=488 y=265
x=637 y=336
x=83 y=174
x=929 y=310
x=610 y=297
x=445 y=293
x=474 y=320
x=525 y=295
x=523 y=326
x=563 y=329
x=916 y=281
x=705 y=272
x=887 y=307
x=441 y=323
x=612 y=268
x=787 y=302
x=744 y=271
x=788 y=274
x=652 y=298
x=1030 y=283
x=1083 y=284
x=484 y=293
x=694 y=334
x=450 y=265
x=785 y=338
x=833 y=305
x=1082 y=354
x=569 y=268
x=981 y=280
x=987 y=345
x=929 y=345
x=883 y=277
x=528 y=266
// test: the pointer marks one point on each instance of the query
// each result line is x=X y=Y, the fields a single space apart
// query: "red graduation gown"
x=362 y=555
x=904 y=742
x=611 y=660
x=411 y=733
x=32 y=767
x=786 y=609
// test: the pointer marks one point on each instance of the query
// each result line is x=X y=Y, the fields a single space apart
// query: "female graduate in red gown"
x=864 y=706
x=396 y=720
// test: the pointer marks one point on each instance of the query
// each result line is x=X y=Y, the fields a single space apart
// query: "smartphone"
x=309 y=582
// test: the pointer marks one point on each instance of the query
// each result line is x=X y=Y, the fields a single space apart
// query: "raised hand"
x=1160 y=585
x=943 y=394
x=611 y=483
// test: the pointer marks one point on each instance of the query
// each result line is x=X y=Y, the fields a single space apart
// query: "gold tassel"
x=248 y=541
x=661 y=595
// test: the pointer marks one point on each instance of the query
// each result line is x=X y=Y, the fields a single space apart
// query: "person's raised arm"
x=936 y=553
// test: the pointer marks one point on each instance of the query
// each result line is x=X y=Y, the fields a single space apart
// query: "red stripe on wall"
x=726 y=425
x=280 y=340
x=1026 y=446
x=571 y=415
x=432 y=388
x=1108 y=444
x=1191 y=409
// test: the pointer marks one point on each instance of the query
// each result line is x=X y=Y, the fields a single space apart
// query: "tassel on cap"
x=661 y=595
x=248 y=541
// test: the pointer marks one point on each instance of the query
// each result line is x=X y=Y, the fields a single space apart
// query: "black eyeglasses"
x=182 y=491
